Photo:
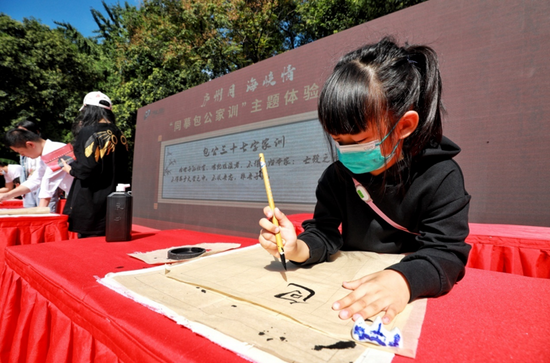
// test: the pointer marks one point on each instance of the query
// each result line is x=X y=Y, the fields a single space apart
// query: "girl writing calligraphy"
x=382 y=108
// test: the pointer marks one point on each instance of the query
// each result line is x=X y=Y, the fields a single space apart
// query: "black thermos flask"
x=119 y=215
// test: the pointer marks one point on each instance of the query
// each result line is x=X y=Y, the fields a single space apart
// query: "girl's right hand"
x=269 y=230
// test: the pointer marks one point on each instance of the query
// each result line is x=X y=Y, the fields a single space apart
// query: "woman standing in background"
x=101 y=152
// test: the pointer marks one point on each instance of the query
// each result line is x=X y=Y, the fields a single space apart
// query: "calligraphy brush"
x=278 y=238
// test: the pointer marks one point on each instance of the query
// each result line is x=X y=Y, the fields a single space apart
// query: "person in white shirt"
x=32 y=145
x=10 y=172
x=29 y=166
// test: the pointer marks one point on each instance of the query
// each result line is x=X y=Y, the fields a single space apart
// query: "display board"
x=226 y=167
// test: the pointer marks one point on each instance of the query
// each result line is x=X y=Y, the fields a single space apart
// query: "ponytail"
x=428 y=104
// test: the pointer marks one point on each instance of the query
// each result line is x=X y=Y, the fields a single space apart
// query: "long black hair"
x=91 y=115
x=373 y=87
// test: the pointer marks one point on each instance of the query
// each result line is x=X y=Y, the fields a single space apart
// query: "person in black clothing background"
x=101 y=152
x=381 y=110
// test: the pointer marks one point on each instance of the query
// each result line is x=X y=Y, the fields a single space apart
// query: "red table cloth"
x=54 y=310
x=521 y=250
x=26 y=230
x=11 y=204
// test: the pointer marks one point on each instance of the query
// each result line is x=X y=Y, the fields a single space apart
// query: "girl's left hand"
x=385 y=290
x=66 y=167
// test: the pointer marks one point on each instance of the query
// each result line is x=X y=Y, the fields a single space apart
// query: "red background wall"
x=494 y=62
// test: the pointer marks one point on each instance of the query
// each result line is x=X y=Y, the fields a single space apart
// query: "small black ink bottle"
x=119 y=215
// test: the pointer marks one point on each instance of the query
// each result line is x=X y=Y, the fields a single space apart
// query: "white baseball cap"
x=97 y=99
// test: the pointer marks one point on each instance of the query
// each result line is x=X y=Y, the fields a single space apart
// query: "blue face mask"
x=364 y=158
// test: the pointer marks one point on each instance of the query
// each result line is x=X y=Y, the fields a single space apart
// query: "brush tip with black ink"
x=283 y=260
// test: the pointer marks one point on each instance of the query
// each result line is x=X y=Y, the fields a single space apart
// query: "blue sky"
x=76 y=12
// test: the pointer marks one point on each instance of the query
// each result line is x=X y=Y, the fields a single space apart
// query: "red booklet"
x=53 y=159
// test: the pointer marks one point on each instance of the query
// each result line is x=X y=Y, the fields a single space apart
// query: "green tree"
x=260 y=29
x=321 y=18
x=167 y=46
x=44 y=77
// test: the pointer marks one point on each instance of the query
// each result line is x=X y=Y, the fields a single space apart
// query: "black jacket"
x=101 y=152
x=433 y=202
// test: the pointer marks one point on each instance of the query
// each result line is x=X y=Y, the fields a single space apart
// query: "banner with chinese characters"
x=227 y=168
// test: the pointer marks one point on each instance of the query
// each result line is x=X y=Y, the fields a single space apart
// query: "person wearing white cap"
x=97 y=99
x=101 y=152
